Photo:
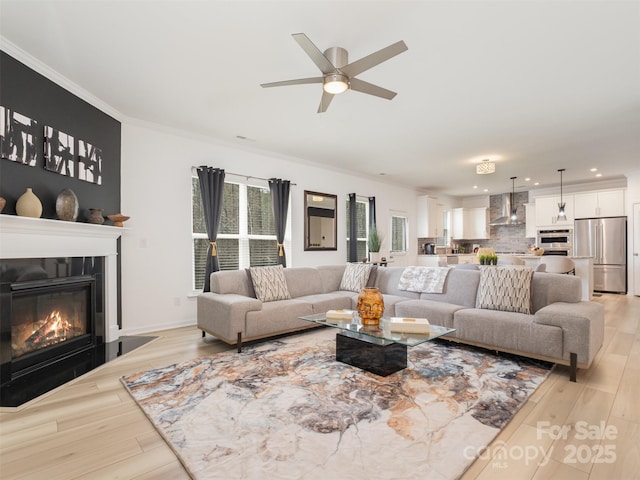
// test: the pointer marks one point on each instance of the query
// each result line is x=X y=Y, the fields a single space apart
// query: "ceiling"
x=534 y=85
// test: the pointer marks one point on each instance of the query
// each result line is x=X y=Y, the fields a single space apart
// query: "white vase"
x=375 y=257
x=29 y=205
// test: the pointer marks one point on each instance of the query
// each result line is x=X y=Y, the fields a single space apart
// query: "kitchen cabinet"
x=531 y=230
x=547 y=211
x=603 y=203
x=470 y=223
x=430 y=222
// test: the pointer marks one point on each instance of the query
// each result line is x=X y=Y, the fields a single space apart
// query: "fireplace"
x=51 y=309
x=50 y=320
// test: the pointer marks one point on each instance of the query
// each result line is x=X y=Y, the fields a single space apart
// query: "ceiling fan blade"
x=299 y=81
x=376 y=58
x=316 y=55
x=325 y=101
x=366 y=87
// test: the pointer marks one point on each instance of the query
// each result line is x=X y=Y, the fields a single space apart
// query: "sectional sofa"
x=555 y=326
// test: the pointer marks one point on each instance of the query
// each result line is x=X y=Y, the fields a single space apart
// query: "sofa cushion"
x=355 y=276
x=509 y=331
x=232 y=281
x=438 y=313
x=303 y=281
x=269 y=283
x=506 y=288
x=460 y=288
x=323 y=302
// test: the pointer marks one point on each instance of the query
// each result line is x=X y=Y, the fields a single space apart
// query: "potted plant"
x=374 y=244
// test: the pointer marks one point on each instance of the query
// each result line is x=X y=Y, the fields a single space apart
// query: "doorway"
x=636 y=249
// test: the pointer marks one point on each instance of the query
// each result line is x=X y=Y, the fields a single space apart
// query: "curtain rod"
x=247 y=177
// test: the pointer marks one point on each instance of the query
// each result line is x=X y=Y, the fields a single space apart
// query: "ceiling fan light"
x=485 y=167
x=335 y=83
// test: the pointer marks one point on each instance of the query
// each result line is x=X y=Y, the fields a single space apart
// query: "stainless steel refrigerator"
x=604 y=239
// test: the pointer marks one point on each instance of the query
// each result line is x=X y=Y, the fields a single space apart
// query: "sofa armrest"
x=582 y=326
x=223 y=315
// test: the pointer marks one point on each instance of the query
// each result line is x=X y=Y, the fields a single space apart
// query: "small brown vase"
x=95 y=216
x=370 y=306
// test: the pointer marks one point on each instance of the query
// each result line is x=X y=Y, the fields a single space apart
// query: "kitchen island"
x=583 y=265
x=583 y=269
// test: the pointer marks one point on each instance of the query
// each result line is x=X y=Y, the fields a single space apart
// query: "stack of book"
x=409 y=325
x=340 y=315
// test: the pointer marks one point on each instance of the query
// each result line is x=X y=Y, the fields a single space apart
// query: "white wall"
x=156 y=193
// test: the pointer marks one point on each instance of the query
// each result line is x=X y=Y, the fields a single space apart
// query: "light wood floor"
x=92 y=429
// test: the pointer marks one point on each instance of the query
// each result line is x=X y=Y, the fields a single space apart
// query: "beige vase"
x=29 y=205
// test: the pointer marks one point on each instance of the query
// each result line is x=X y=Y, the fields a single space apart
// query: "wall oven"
x=556 y=241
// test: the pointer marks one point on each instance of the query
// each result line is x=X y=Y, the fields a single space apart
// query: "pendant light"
x=514 y=209
x=562 y=216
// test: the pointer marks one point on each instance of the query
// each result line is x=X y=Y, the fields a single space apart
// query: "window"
x=398 y=233
x=247 y=235
x=362 y=222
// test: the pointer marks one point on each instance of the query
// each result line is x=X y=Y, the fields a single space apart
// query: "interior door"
x=636 y=249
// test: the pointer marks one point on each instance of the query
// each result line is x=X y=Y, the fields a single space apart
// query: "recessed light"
x=537 y=183
x=593 y=170
x=598 y=174
x=527 y=179
x=475 y=186
x=486 y=190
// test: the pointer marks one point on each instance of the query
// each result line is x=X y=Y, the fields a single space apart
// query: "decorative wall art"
x=89 y=163
x=18 y=137
x=59 y=152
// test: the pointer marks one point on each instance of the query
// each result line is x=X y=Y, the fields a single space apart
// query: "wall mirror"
x=320 y=221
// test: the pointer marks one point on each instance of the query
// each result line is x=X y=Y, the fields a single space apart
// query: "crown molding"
x=43 y=69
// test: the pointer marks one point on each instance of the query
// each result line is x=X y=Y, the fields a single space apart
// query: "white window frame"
x=405 y=216
x=242 y=236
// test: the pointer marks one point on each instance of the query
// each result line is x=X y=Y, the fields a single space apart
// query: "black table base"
x=381 y=358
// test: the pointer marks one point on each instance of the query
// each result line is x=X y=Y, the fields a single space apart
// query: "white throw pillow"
x=269 y=283
x=355 y=276
x=505 y=288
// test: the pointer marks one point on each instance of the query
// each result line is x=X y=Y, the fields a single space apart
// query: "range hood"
x=505 y=212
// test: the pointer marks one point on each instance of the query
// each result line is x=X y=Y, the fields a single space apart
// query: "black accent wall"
x=27 y=92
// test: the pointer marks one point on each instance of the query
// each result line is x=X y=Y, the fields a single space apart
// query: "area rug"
x=286 y=409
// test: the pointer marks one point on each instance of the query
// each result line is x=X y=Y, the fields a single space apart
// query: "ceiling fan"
x=337 y=74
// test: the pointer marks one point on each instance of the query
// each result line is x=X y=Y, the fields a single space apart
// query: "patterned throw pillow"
x=269 y=283
x=355 y=276
x=506 y=288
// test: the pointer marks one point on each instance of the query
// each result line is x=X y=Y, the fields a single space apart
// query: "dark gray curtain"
x=353 y=229
x=280 y=200
x=212 y=190
x=372 y=212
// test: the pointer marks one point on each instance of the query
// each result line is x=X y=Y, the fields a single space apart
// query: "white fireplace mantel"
x=26 y=237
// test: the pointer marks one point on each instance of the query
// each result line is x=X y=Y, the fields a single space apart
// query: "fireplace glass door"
x=51 y=319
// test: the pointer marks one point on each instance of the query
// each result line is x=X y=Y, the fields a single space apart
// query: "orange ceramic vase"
x=370 y=306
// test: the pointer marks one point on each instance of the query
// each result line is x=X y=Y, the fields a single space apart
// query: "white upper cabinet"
x=547 y=211
x=430 y=222
x=604 y=203
x=470 y=223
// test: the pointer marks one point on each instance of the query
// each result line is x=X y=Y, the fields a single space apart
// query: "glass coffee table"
x=375 y=349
